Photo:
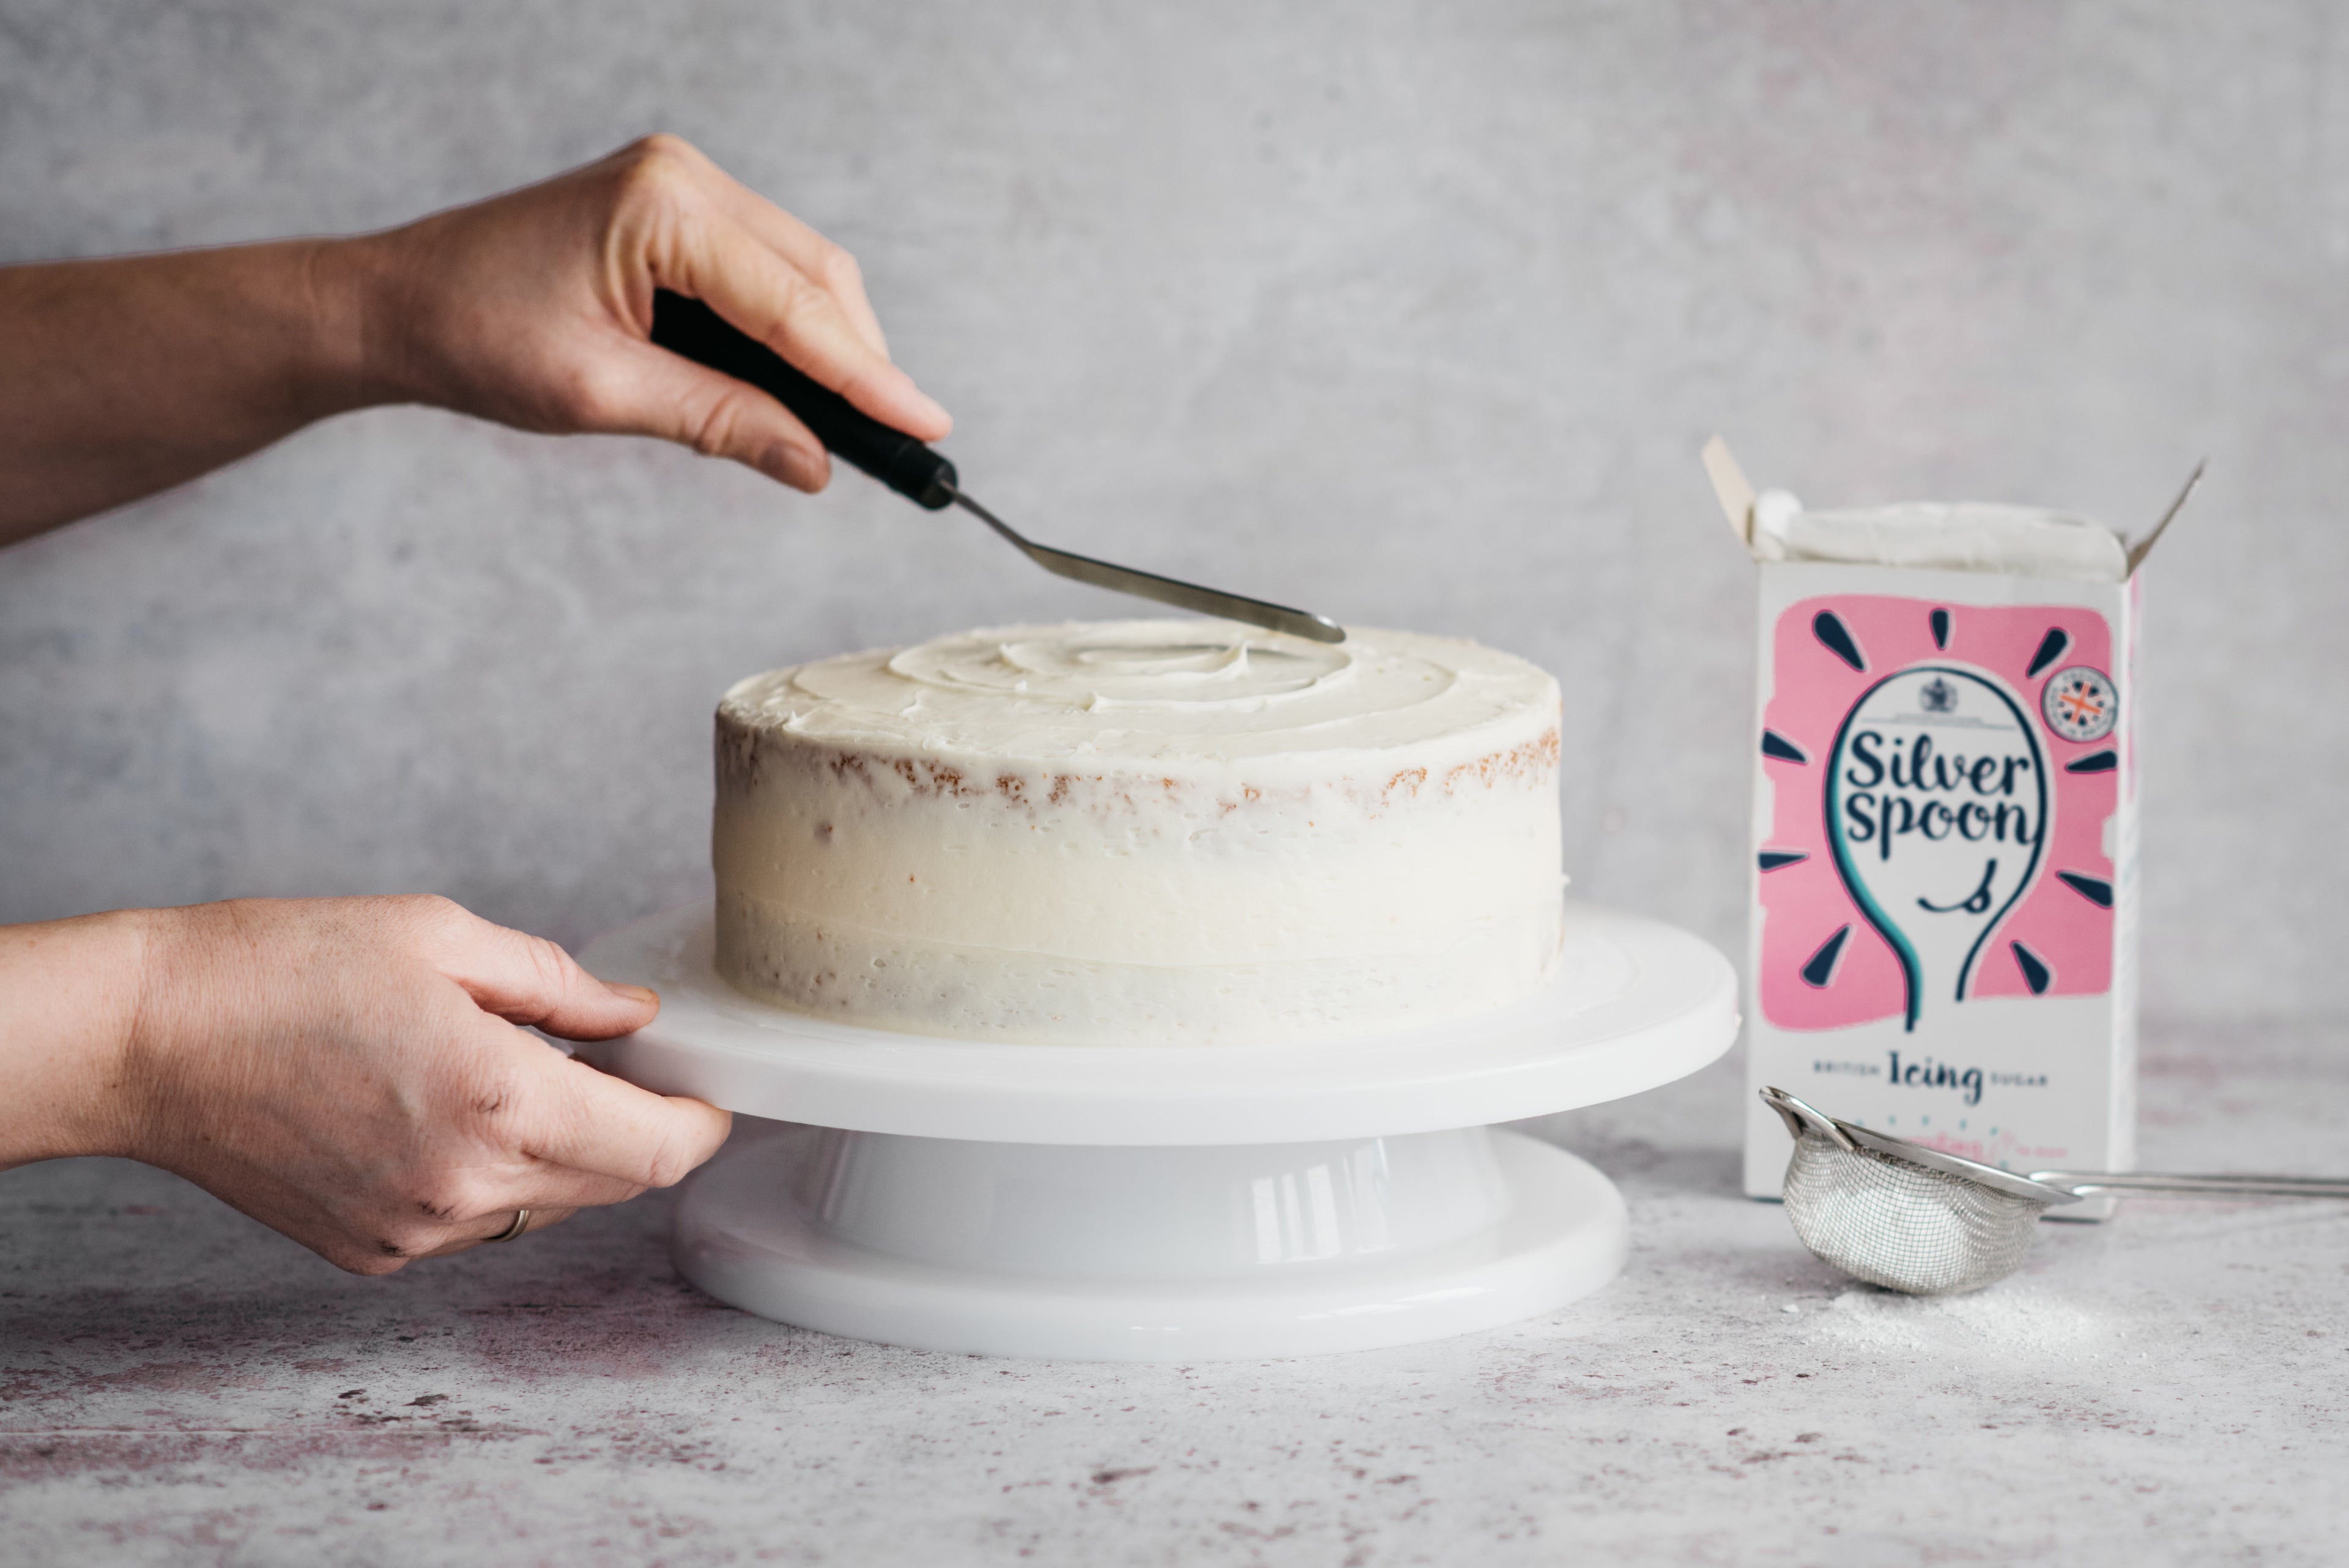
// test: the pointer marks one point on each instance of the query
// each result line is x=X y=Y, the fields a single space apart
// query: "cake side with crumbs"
x=1144 y=832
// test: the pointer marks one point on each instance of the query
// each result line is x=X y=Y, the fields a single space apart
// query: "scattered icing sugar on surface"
x=2009 y=1320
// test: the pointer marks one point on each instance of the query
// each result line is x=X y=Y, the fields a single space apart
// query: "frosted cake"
x=1147 y=832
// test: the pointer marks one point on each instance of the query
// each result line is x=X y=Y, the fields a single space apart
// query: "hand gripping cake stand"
x=1157 y=1203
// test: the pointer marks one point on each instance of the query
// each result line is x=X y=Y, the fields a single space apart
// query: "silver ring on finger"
x=521 y=1223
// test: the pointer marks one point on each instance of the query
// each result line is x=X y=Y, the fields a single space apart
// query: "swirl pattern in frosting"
x=1159 y=691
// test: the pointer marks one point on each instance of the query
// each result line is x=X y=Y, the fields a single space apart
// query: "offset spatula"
x=689 y=327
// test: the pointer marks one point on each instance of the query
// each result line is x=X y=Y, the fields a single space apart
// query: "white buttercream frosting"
x=1174 y=830
x=1148 y=691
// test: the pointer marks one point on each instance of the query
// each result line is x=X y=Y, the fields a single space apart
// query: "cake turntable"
x=1161 y=1203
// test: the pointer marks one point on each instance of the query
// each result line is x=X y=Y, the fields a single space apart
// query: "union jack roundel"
x=2080 y=704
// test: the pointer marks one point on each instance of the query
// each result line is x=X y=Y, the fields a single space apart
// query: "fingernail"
x=799 y=468
x=632 y=993
x=930 y=405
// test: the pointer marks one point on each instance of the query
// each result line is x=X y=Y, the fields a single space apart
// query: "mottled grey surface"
x=177 y=1386
x=1415 y=313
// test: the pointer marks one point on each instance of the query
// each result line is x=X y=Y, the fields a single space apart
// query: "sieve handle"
x=2087 y=1181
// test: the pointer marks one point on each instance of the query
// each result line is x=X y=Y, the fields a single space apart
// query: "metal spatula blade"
x=1165 y=591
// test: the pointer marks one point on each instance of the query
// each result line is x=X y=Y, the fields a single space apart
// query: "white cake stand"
x=1155 y=1203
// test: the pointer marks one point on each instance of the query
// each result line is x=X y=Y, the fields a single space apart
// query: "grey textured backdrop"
x=1416 y=313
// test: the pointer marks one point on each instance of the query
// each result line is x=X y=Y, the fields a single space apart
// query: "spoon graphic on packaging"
x=1936 y=800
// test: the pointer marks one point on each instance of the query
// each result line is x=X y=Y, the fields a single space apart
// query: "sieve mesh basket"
x=1929 y=1222
x=1898 y=1224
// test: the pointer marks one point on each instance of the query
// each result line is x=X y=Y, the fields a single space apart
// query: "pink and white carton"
x=1943 y=873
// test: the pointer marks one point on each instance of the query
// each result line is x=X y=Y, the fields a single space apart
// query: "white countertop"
x=178 y=1385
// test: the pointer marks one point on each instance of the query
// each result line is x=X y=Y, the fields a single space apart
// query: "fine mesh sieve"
x=1913 y=1219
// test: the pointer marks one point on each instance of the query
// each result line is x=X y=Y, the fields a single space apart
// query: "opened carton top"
x=1961 y=536
x=1934 y=535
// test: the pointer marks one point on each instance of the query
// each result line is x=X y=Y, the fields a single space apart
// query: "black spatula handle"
x=689 y=327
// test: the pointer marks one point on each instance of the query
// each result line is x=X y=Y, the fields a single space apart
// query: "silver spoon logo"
x=1936 y=806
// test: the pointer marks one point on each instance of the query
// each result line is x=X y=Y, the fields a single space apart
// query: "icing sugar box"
x=1943 y=906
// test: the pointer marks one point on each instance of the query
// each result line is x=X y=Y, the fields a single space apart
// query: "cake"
x=1142 y=832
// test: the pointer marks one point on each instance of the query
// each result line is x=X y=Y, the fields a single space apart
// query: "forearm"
x=123 y=376
x=69 y=993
